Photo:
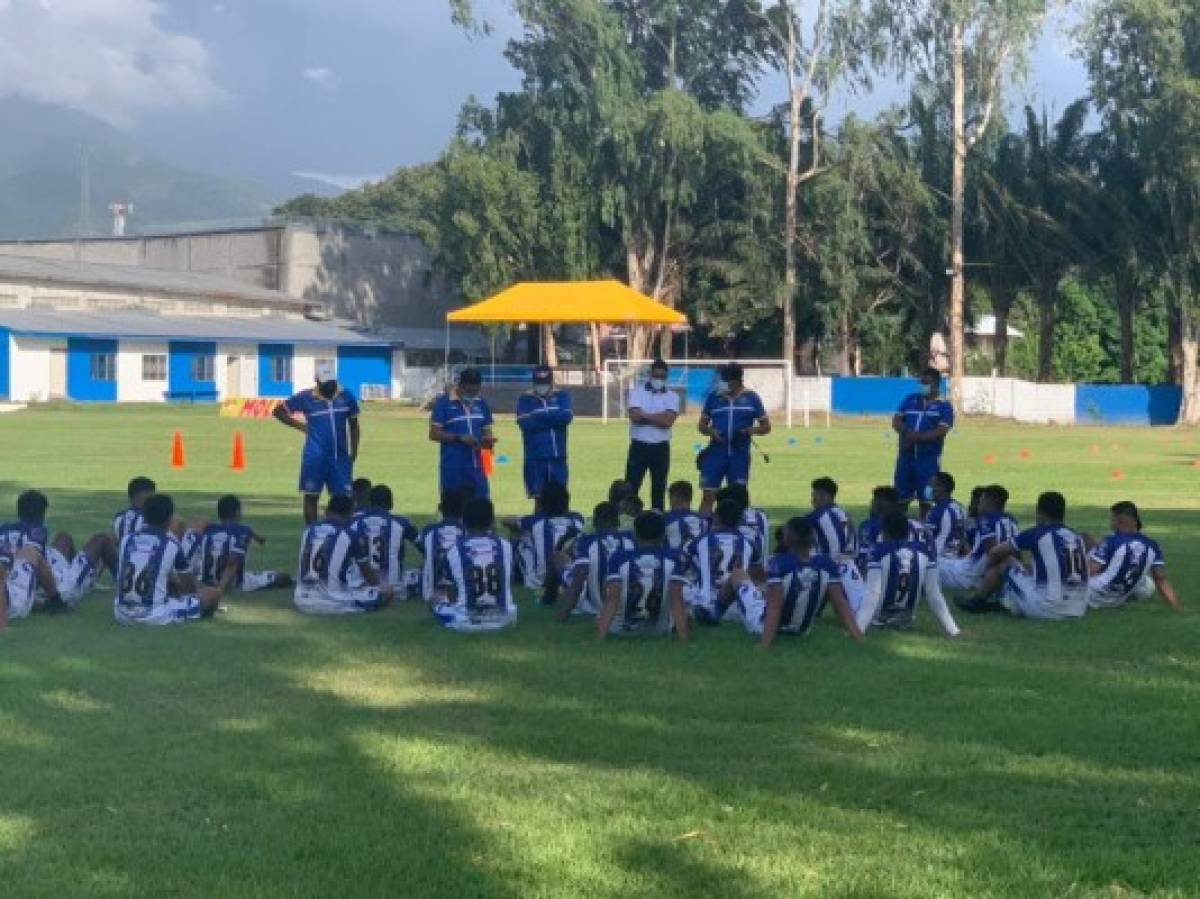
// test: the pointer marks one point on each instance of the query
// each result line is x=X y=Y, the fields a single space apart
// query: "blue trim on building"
x=5 y=363
x=871 y=396
x=1127 y=404
x=83 y=363
x=268 y=386
x=189 y=364
x=59 y=335
x=359 y=365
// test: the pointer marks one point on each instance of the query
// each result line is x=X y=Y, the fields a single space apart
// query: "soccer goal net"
x=695 y=379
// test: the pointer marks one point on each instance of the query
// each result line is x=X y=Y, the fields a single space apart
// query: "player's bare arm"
x=3 y=595
x=938 y=434
x=845 y=614
x=612 y=599
x=355 y=437
x=659 y=419
x=679 y=612
x=574 y=592
x=283 y=416
x=1158 y=574
x=773 y=614
x=761 y=428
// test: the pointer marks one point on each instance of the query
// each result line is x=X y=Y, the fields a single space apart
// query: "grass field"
x=269 y=754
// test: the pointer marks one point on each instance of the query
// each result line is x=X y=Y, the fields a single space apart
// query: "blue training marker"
x=502 y=460
x=818 y=440
x=791 y=441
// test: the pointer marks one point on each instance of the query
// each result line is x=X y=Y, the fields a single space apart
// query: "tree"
x=961 y=49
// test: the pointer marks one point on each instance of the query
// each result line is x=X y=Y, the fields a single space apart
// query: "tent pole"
x=446 y=356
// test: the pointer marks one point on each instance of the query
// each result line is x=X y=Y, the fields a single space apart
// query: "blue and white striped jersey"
x=1059 y=558
x=546 y=534
x=870 y=532
x=593 y=552
x=1127 y=558
x=385 y=536
x=718 y=553
x=331 y=556
x=436 y=541
x=684 y=527
x=481 y=569
x=756 y=526
x=645 y=576
x=126 y=522
x=903 y=572
x=16 y=535
x=147 y=559
x=805 y=583
x=947 y=526
x=990 y=532
x=834 y=532
x=214 y=549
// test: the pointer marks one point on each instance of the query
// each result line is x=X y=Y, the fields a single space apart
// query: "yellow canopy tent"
x=569 y=302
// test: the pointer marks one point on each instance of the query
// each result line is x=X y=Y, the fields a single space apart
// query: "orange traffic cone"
x=239 y=452
x=177 y=458
x=488 y=457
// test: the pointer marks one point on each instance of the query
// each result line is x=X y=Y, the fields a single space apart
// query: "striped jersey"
x=718 y=553
x=147 y=560
x=480 y=568
x=833 y=531
x=385 y=536
x=805 y=583
x=683 y=527
x=1059 y=558
x=593 y=553
x=870 y=532
x=126 y=522
x=436 y=541
x=947 y=526
x=990 y=532
x=756 y=526
x=904 y=569
x=213 y=550
x=547 y=534
x=331 y=556
x=644 y=576
x=18 y=534
x=1127 y=558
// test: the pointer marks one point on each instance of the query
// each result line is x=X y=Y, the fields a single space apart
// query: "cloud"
x=342 y=182
x=111 y=58
x=321 y=75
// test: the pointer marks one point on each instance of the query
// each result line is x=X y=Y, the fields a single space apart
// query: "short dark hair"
x=340 y=505
x=946 y=479
x=826 y=485
x=555 y=499
x=731 y=371
x=632 y=505
x=649 y=527
x=228 y=506
x=470 y=376
x=931 y=372
x=728 y=513
x=739 y=493
x=606 y=515
x=895 y=525
x=140 y=486
x=659 y=364
x=799 y=530
x=887 y=494
x=452 y=503
x=158 y=510
x=479 y=514
x=32 y=506
x=381 y=497
x=1053 y=505
x=1127 y=509
x=618 y=490
x=361 y=485
x=997 y=494
x=682 y=489
x=977 y=492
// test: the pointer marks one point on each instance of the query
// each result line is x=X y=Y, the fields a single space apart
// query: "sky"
x=338 y=90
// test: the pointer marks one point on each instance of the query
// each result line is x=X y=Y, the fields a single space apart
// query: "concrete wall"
x=131 y=388
x=16 y=294
x=30 y=368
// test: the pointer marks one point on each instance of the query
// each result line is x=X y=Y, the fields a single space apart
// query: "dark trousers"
x=654 y=458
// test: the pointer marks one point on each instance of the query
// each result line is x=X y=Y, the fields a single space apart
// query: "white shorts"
x=456 y=617
x=696 y=597
x=853 y=585
x=321 y=600
x=75 y=579
x=22 y=589
x=253 y=581
x=1106 y=598
x=752 y=605
x=176 y=610
x=960 y=575
x=1028 y=599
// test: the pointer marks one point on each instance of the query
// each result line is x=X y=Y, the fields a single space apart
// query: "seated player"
x=1057 y=587
x=544 y=536
x=5 y=567
x=884 y=499
x=479 y=596
x=754 y=523
x=385 y=536
x=971 y=525
x=218 y=557
x=360 y=490
x=834 y=535
x=713 y=558
x=49 y=574
x=436 y=541
x=129 y=520
x=586 y=578
x=902 y=573
x=799 y=583
x=643 y=593
x=683 y=523
x=1127 y=564
x=947 y=520
x=993 y=526
x=336 y=576
x=155 y=584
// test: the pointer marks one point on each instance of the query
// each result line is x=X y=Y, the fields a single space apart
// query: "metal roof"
x=139 y=324
x=129 y=277
x=435 y=338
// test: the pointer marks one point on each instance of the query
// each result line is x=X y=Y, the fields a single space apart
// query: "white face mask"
x=542 y=389
x=722 y=388
x=658 y=383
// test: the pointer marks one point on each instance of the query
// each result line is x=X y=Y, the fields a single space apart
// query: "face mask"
x=658 y=383
x=328 y=389
x=468 y=393
x=722 y=388
x=927 y=494
x=931 y=390
x=542 y=389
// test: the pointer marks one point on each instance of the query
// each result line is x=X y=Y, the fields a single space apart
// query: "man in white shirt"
x=653 y=408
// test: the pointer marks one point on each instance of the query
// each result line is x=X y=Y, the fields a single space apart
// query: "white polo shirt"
x=652 y=402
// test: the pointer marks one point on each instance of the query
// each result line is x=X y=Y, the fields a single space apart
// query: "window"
x=154 y=367
x=204 y=369
x=281 y=369
x=104 y=366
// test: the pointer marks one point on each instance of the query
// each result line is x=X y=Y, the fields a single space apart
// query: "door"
x=58 y=373
x=233 y=376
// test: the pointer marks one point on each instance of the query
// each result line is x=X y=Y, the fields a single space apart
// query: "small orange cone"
x=1025 y=454
x=1196 y=463
x=989 y=459
x=239 y=452
x=177 y=458
x=1118 y=475
x=488 y=458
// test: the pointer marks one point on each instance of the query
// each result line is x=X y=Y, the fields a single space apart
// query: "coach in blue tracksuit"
x=543 y=415
x=731 y=418
x=922 y=421
x=331 y=440
x=462 y=423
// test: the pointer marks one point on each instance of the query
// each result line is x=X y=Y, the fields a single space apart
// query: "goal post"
x=772 y=379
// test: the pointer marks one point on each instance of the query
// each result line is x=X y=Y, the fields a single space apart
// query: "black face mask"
x=327 y=389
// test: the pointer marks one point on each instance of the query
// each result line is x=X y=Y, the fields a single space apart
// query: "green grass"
x=270 y=754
